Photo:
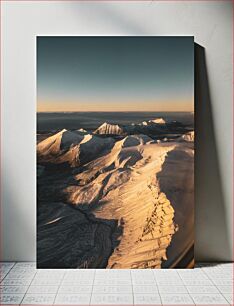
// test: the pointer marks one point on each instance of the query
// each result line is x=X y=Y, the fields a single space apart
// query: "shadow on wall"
x=113 y=17
x=211 y=232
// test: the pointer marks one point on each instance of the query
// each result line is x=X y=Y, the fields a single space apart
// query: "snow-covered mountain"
x=114 y=206
x=151 y=127
x=89 y=148
x=155 y=121
x=158 y=121
x=134 y=140
x=107 y=128
x=58 y=142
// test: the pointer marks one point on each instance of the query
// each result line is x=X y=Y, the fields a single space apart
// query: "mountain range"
x=116 y=197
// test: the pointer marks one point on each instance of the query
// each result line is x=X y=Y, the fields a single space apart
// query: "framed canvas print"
x=115 y=152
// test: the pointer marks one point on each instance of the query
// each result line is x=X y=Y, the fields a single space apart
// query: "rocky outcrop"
x=189 y=137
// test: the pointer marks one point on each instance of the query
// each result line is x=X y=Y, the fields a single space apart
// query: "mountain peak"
x=158 y=121
x=108 y=128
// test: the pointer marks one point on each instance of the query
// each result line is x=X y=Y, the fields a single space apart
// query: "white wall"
x=211 y=24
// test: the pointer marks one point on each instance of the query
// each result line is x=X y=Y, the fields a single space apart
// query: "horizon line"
x=185 y=111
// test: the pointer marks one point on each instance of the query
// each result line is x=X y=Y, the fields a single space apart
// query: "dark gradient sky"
x=115 y=73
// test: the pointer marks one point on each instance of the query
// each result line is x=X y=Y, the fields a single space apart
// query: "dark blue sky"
x=115 y=73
